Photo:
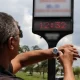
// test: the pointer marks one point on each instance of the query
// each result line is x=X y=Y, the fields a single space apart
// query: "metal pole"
x=51 y=63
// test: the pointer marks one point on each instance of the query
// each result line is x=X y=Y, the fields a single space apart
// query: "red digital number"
x=63 y=25
x=41 y=25
x=57 y=25
x=46 y=25
x=52 y=25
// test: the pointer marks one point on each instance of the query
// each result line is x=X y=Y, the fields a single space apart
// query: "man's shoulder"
x=7 y=75
x=4 y=77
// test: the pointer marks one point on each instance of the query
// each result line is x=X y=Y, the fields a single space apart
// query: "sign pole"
x=51 y=64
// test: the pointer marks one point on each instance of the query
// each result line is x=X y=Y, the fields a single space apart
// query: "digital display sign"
x=52 y=25
x=52 y=8
x=52 y=20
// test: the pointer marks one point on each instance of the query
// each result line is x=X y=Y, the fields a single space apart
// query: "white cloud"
x=27 y=18
x=65 y=40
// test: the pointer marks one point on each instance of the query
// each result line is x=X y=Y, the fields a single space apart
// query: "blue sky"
x=21 y=10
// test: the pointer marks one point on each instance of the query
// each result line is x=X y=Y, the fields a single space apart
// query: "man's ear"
x=11 y=43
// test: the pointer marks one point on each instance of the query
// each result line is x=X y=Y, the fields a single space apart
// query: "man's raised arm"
x=35 y=56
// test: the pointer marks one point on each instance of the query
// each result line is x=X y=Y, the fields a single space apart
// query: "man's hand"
x=66 y=57
x=70 y=48
x=67 y=54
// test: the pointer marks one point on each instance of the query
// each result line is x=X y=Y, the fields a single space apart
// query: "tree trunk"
x=43 y=73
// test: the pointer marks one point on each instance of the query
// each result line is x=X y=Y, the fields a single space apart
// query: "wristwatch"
x=55 y=51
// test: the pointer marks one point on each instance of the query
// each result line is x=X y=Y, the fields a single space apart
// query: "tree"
x=59 y=67
x=20 y=49
x=37 y=68
x=76 y=71
x=44 y=66
x=25 y=48
x=36 y=47
x=30 y=69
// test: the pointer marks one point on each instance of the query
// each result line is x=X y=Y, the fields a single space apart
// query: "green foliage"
x=25 y=48
x=59 y=67
x=44 y=66
x=20 y=49
x=44 y=63
x=36 y=47
x=76 y=71
x=30 y=69
x=37 y=68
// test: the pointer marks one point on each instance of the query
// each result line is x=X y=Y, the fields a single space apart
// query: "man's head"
x=9 y=35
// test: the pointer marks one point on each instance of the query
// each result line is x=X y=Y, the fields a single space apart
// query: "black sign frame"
x=51 y=18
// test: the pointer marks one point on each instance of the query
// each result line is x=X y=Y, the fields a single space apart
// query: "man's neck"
x=4 y=61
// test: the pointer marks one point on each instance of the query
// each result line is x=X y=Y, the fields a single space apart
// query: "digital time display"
x=53 y=25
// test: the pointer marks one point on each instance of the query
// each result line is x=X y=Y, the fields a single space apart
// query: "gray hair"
x=8 y=27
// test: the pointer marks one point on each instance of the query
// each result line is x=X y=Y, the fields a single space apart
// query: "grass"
x=36 y=76
x=77 y=77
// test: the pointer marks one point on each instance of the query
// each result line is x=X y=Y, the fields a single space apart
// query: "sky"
x=21 y=10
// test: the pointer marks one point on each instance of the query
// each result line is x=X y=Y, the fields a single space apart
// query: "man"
x=9 y=43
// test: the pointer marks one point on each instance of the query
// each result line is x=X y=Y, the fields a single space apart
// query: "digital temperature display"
x=52 y=25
